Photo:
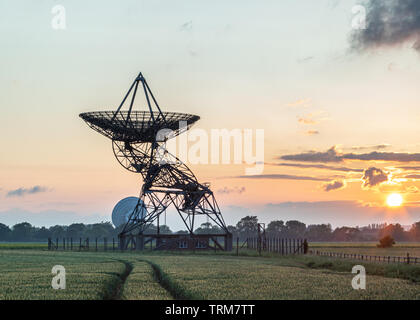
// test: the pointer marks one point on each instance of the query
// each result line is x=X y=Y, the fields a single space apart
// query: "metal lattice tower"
x=138 y=141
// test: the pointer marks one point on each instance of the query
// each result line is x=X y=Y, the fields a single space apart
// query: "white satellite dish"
x=124 y=208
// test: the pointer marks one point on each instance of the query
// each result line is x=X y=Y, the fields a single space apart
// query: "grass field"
x=369 y=248
x=26 y=274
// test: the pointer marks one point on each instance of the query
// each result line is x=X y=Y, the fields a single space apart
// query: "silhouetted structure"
x=138 y=140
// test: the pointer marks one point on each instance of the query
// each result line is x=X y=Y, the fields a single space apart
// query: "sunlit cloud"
x=227 y=190
x=373 y=177
x=334 y=185
x=316 y=166
x=283 y=177
x=332 y=155
x=300 y=103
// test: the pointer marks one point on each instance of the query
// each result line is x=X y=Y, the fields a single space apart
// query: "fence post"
x=408 y=258
x=87 y=243
x=105 y=244
x=282 y=246
x=113 y=244
x=237 y=246
x=49 y=243
x=71 y=244
x=96 y=244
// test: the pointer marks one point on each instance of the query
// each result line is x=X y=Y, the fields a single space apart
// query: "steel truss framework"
x=139 y=145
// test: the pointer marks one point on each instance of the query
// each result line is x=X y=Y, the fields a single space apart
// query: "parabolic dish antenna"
x=124 y=208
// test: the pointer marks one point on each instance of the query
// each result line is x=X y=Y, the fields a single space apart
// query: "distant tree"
x=205 y=227
x=247 y=226
x=386 y=242
x=233 y=231
x=22 y=232
x=5 y=232
x=415 y=231
x=164 y=229
x=295 y=229
x=76 y=230
x=346 y=234
x=42 y=234
x=57 y=231
x=319 y=232
x=100 y=230
x=396 y=231
x=182 y=232
x=275 y=228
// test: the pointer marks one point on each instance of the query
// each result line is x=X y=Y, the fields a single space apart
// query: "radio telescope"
x=139 y=146
x=123 y=209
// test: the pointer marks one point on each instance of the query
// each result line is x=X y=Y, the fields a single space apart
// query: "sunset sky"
x=339 y=106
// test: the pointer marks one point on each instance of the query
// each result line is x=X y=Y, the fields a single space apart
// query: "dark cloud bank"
x=332 y=155
x=389 y=23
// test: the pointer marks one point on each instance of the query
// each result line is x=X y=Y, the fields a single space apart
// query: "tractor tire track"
x=116 y=290
x=175 y=290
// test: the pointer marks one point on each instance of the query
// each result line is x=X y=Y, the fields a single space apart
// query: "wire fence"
x=277 y=245
x=83 y=244
x=364 y=257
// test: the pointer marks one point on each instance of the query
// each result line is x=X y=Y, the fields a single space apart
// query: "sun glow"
x=394 y=200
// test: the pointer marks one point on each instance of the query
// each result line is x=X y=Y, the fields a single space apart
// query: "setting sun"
x=394 y=200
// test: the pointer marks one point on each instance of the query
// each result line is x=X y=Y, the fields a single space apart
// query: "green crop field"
x=26 y=274
x=369 y=248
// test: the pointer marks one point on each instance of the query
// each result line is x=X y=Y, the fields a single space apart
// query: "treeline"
x=248 y=227
x=245 y=228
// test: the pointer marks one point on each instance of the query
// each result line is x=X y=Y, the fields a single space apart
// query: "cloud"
x=300 y=103
x=282 y=177
x=227 y=190
x=305 y=59
x=312 y=156
x=409 y=168
x=384 y=156
x=307 y=120
x=413 y=176
x=333 y=185
x=23 y=191
x=331 y=155
x=377 y=147
x=389 y=23
x=313 y=118
x=317 y=166
x=373 y=177
x=187 y=26
x=312 y=132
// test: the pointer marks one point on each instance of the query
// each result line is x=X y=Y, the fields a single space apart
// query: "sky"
x=338 y=105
